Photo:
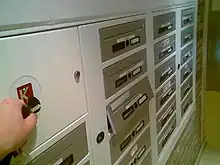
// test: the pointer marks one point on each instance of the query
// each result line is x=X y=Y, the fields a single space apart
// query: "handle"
x=187 y=38
x=187 y=89
x=166 y=74
x=165 y=28
x=186 y=73
x=166 y=137
x=187 y=55
x=187 y=20
x=187 y=106
x=166 y=97
x=68 y=161
x=128 y=112
x=165 y=52
x=141 y=152
x=125 y=143
x=166 y=117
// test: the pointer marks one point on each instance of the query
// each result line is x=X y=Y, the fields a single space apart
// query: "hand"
x=14 y=130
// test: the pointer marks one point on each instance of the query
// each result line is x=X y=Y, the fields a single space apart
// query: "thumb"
x=30 y=122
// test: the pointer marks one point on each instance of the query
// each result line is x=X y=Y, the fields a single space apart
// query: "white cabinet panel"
x=29 y=11
x=45 y=62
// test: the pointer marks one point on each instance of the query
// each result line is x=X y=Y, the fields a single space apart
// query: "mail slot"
x=68 y=151
x=147 y=160
x=187 y=17
x=164 y=48
x=186 y=70
x=186 y=87
x=164 y=24
x=166 y=114
x=138 y=151
x=165 y=136
x=186 y=54
x=164 y=94
x=165 y=71
x=116 y=40
x=127 y=109
x=120 y=142
x=187 y=35
x=186 y=103
x=120 y=74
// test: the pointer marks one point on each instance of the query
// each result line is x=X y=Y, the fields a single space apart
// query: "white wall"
x=26 y=11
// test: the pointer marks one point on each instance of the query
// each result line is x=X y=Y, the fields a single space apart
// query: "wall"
x=212 y=113
x=188 y=146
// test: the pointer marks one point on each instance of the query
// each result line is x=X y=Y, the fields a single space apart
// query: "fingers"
x=30 y=122
x=10 y=101
x=19 y=145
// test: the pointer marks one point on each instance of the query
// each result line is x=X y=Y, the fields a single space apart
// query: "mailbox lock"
x=133 y=134
x=77 y=76
x=129 y=75
x=135 y=105
x=127 y=43
x=100 y=137
x=33 y=106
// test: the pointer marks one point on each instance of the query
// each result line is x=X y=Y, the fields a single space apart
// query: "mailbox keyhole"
x=77 y=75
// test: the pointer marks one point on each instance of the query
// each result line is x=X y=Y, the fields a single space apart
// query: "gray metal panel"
x=87 y=163
x=165 y=136
x=185 y=105
x=139 y=149
x=120 y=142
x=187 y=35
x=131 y=106
x=186 y=70
x=120 y=74
x=147 y=160
x=127 y=37
x=166 y=113
x=187 y=17
x=165 y=93
x=163 y=72
x=74 y=146
x=186 y=87
x=186 y=54
x=164 y=48
x=164 y=24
